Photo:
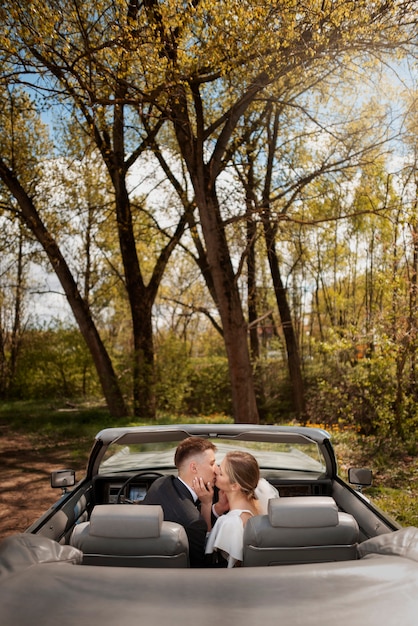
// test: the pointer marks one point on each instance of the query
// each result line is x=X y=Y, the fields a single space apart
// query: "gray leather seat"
x=131 y=536
x=307 y=529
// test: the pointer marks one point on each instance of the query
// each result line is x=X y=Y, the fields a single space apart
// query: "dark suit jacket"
x=178 y=506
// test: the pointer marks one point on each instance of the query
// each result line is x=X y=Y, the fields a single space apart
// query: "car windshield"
x=274 y=457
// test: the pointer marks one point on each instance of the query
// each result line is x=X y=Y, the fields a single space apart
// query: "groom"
x=187 y=499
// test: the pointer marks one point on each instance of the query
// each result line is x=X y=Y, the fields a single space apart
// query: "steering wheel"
x=130 y=480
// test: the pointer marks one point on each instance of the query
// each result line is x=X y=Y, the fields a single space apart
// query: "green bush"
x=374 y=393
x=361 y=396
x=209 y=387
x=274 y=391
x=190 y=386
x=172 y=370
x=54 y=363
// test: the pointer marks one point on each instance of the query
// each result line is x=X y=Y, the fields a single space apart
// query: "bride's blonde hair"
x=242 y=468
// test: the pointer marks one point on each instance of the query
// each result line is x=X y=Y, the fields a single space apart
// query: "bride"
x=238 y=477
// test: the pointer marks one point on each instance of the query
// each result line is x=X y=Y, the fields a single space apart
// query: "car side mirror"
x=360 y=477
x=63 y=479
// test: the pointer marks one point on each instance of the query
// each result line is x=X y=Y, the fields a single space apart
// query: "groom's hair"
x=190 y=447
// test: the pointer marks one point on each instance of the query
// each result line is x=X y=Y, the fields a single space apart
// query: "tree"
x=270 y=59
x=198 y=67
x=13 y=292
x=19 y=166
x=111 y=129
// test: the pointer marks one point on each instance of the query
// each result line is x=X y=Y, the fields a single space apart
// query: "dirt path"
x=25 y=491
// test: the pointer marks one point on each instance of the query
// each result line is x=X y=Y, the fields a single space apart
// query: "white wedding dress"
x=227 y=534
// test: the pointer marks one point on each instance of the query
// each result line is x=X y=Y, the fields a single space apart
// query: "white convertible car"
x=322 y=555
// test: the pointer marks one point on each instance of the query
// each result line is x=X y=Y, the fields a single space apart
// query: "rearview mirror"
x=360 y=476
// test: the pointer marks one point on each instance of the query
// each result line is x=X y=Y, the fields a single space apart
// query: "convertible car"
x=323 y=554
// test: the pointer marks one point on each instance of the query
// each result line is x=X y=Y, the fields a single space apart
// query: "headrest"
x=129 y=521
x=303 y=512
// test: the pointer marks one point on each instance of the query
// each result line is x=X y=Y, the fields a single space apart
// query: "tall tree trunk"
x=251 y=265
x=16 y=330
x=141 y=296
x=226 y=293
x=143 y=353
x=252 y=290
x=144 y=366
x=295 y=370
x=270 y=229
x=413 y=304
x=230 y=309
x=101 y=359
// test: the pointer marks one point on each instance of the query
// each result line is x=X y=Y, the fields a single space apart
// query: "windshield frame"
x=272 y=457
x=234 y=433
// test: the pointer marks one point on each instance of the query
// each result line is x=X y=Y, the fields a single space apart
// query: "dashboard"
x=113 y=488
x=110 y=489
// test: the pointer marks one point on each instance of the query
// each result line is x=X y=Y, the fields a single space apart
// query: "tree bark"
x=270 y=229
x=101 y=359
x=229 y=307
x=141 y=296
x=295 y=370
x=226 y=293
x=251 y=227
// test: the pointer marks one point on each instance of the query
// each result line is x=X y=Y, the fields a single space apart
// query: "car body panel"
x=380 y=588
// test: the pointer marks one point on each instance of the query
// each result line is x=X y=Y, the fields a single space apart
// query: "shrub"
x=209 y=387
x=54 y=363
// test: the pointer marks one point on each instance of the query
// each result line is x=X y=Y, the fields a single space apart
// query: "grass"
x=401 y=505
x=73 y=426
x=395 y=472
x=52 y=425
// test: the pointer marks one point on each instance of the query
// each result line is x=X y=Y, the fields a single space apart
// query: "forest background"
x=210 y=208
